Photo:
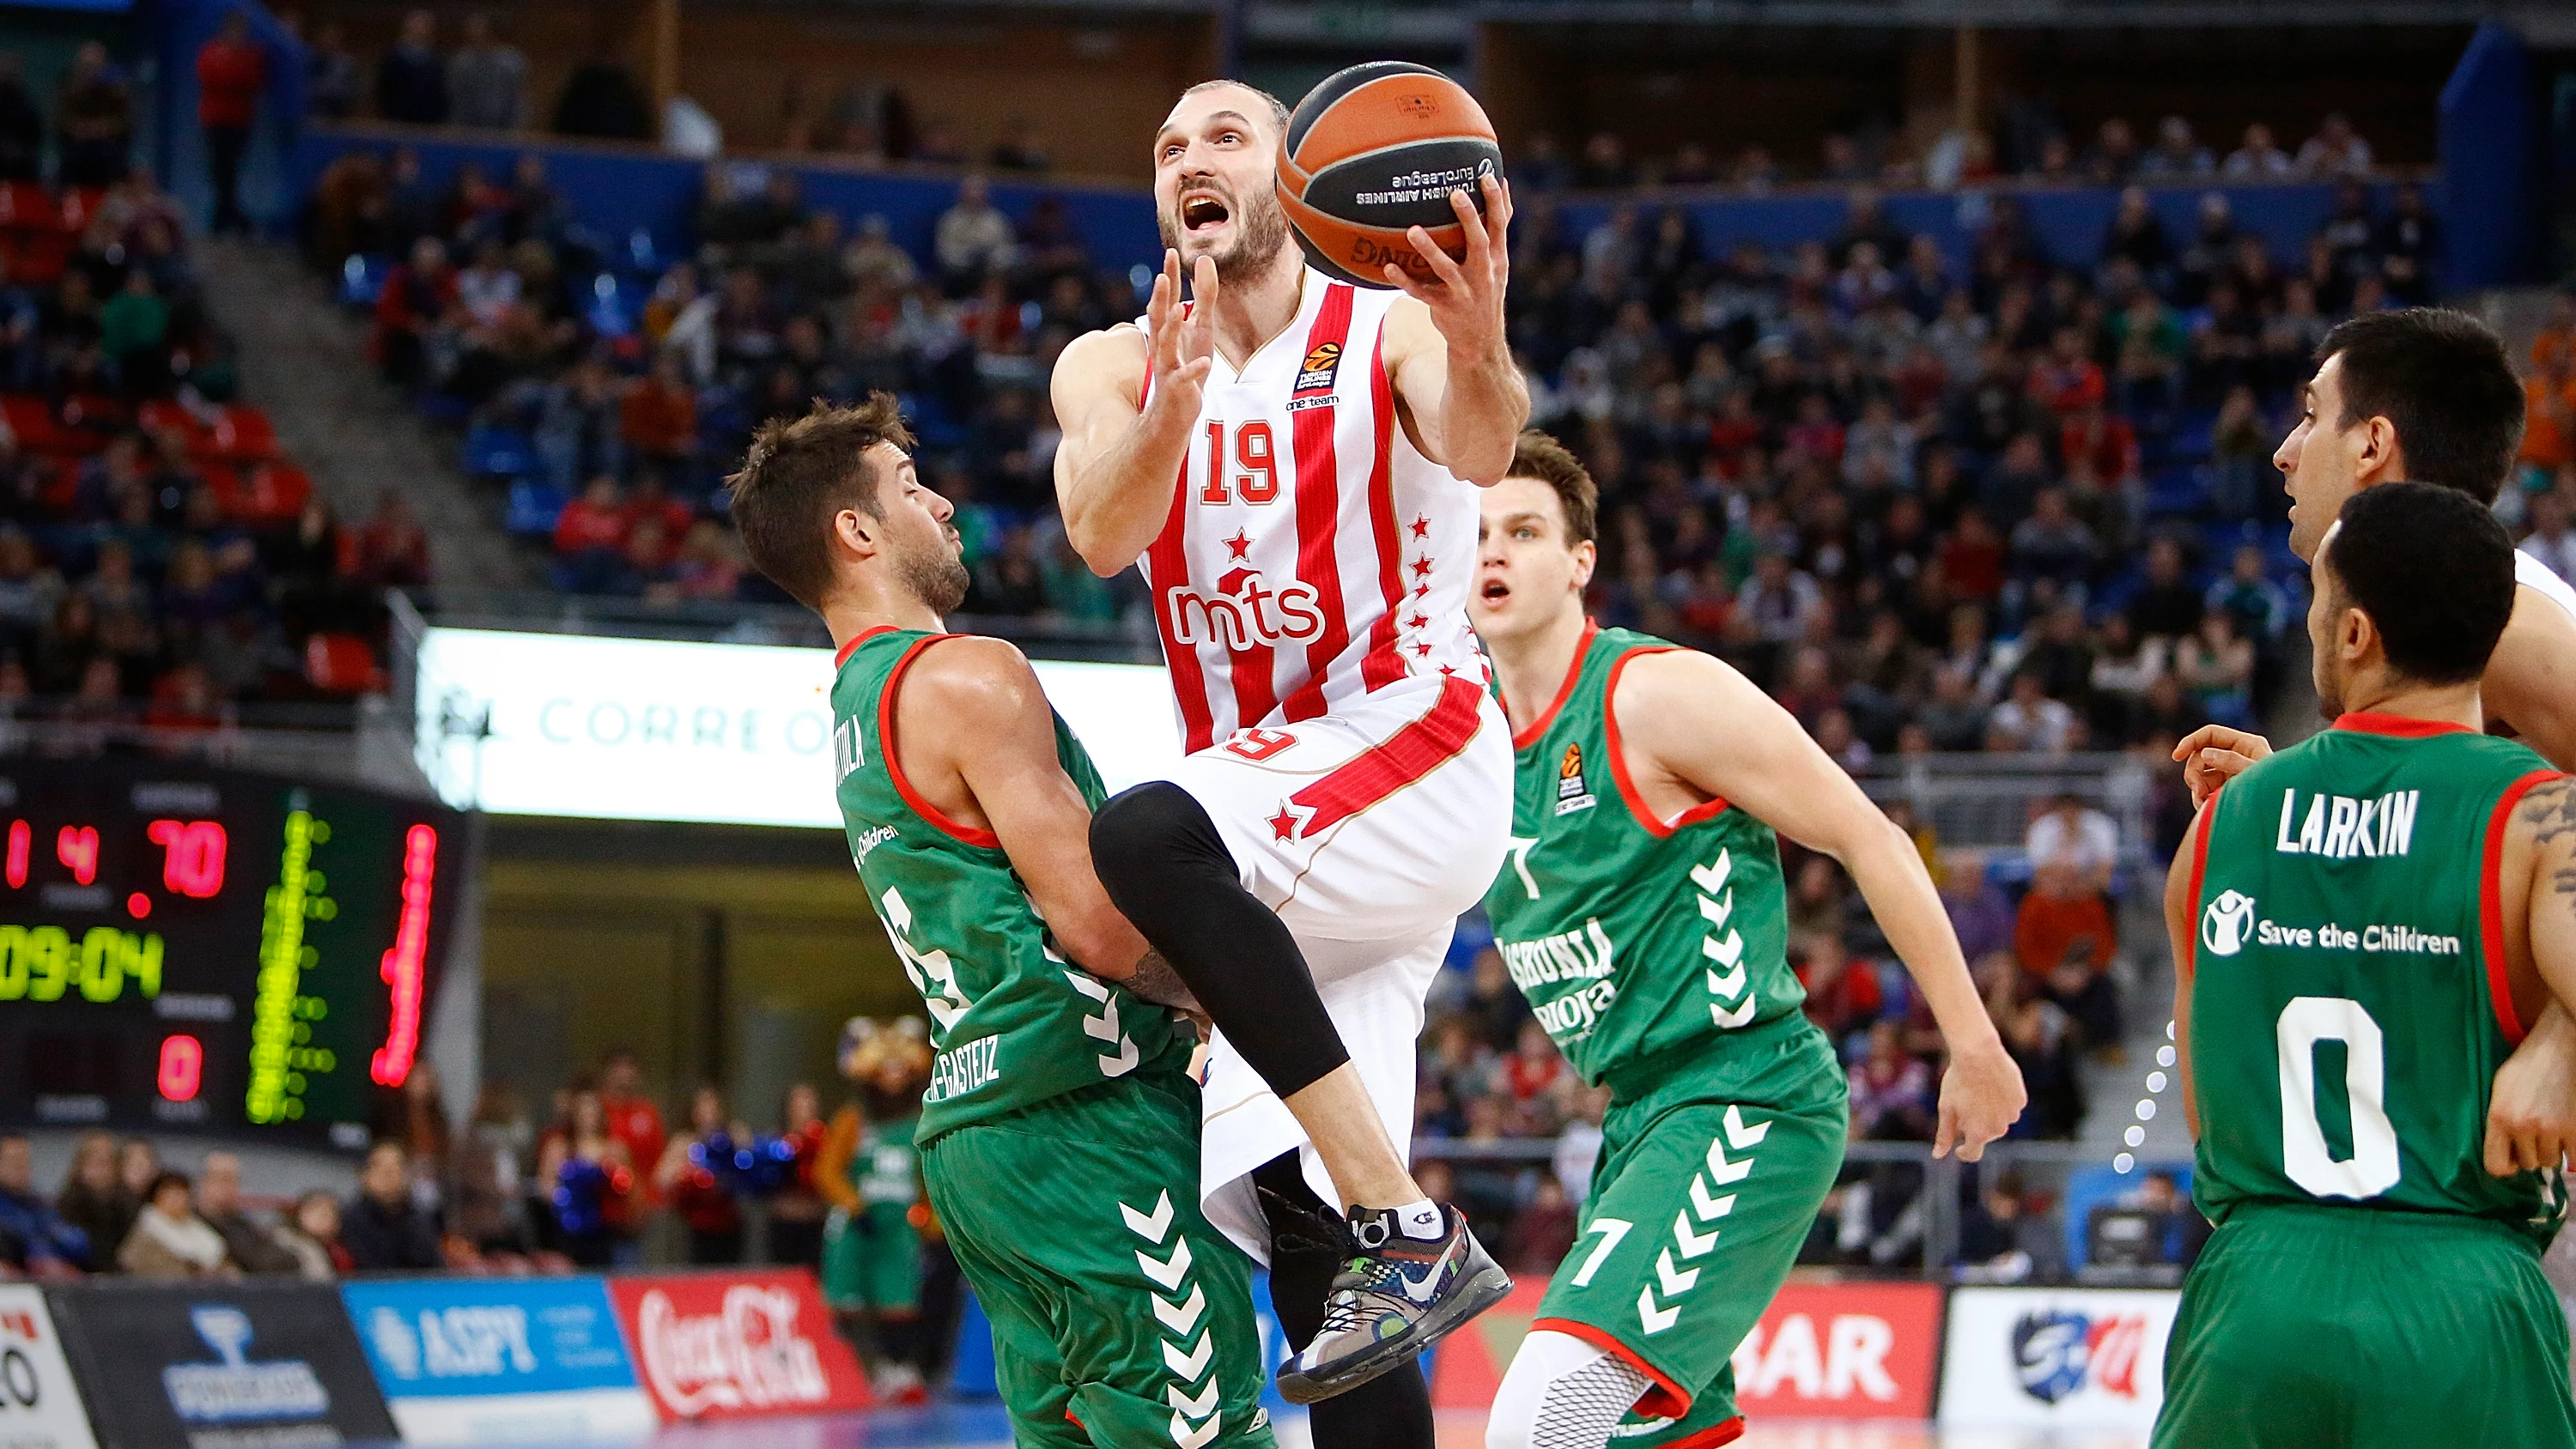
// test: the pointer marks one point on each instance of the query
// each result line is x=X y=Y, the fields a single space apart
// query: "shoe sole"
x=1488 y=1286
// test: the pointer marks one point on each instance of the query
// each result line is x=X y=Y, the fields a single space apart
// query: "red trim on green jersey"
x=2398 y=726
x=2491 y=904
x=1666 y=1400
x=2200 y=829
x=1660 y=829
x=851 y=645
x=894 y=760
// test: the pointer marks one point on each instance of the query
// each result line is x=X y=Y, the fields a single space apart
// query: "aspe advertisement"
x=478 y=1360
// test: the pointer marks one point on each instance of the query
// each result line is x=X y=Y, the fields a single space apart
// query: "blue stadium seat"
x=497 y=452
x=362 y=280
x=534 y=507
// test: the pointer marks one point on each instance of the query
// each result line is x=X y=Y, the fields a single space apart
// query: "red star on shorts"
x=1422 y=650
x=1422 y=591
x=1240 y=545
x=1448 y=669
x=1422 y=567
x=1422 y=528
x=1417 y=621
x=1283 y=825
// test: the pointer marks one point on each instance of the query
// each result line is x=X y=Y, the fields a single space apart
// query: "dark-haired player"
x=2360 y=925
x=1643 y=916
x=1059 y=1136
x=1293 y=460
x=2428 y=396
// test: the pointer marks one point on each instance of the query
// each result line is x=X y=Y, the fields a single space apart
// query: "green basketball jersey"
x=885 y=1171
x=1012 y=1020
x=1632 y=936
x=2348 y=1007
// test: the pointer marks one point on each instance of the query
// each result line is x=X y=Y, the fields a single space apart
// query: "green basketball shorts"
x=872 y=1259
x=1120 y=1318
x=2360 y=1328
x=1710 y=1178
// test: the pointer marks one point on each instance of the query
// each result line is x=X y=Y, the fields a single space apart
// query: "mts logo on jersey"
x=2341 y=827
x=1245 y=614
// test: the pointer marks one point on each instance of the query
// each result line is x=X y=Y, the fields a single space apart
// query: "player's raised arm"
x=976 y=738
x=2181 y=927
x=1764 y=764
x=1449 y=359
x=1127 y=401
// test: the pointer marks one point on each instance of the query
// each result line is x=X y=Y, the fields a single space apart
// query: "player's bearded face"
x=935 y=569
x=1255 y=228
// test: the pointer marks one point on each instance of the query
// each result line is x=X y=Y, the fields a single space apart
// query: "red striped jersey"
x=1313 y=555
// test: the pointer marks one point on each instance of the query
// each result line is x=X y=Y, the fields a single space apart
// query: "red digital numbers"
x=192 y=863
x=20 y=838
x=76 y=846
x=182 y=1069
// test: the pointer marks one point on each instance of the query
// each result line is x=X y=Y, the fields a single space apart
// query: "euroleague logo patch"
x=1323 y=363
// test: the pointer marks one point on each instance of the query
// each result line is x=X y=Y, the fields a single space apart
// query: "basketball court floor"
x=982 y=1426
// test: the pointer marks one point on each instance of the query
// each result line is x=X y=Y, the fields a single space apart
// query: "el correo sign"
x=737 y=734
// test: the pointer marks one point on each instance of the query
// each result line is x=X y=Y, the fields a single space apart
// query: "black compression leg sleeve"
x=1168 y=871
x=1391 y=1411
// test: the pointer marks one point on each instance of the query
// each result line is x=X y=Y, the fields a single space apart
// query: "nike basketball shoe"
x=1395 y=1297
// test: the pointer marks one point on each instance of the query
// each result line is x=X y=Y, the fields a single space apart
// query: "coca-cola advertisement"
x=731 y=1345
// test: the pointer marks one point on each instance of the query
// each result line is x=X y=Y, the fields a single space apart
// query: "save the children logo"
x=2227 y=923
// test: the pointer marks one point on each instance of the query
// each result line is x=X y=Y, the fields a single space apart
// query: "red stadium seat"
x=26 y=206
x=80 y=207
x=273 y=493
x=239 y=434
x=341 y=664
x=161 y=415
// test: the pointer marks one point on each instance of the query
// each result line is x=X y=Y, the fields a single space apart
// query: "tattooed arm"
x=2531 y=1116
x=1157 y=982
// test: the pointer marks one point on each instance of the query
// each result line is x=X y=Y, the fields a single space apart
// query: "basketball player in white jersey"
x=1294 y=462
x=2428 y=395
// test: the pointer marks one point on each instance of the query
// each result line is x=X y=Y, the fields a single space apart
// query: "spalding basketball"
x=1374 y=150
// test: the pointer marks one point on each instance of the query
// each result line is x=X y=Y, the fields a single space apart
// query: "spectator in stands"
x=169 y=1240
x=974 y=239
x=94 y=117
x=580 y=426
x=2258 y=158
x=600 y=99
x=2029 y=720
x=658 y=420
x=379 y=1226
x=2005 y=1237
x=252 y=1247
x=2335 y=150
x=2166 y=604
x=134 y=331
x=231 y=70
x=2177 y=154
x=1021 y=148
x=1891 y=1090
x=688 y=1177
x=93 y=1201
x=2552 y=541
x=487 y=79
x=33 y=1237
x=1844 y=996
x=312 y=1233
x=138 y=1167
x=2114 y=157
x=331 y=74
x=2074 y=835
x=2215 y=665
x=631 y=1116
x=411 y=80
x=2063 y=939
x=22 y=125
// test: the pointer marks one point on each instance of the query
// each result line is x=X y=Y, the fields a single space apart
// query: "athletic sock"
x=1422 y=1221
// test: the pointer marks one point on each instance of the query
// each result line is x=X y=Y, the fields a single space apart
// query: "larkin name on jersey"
x=1313 y=554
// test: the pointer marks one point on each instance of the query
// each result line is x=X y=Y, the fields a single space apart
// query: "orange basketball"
x=1373 y=150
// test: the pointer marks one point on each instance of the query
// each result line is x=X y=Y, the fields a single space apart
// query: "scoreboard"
x=201 y=949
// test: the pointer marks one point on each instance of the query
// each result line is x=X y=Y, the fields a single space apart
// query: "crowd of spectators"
x=161 y=561
x=2032 y=146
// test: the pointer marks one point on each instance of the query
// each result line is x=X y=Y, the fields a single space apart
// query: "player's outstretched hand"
x=1466 y=296
x=2212 y=755
x=2531 y=1114
x=1981 y=1097
x=1183 y=337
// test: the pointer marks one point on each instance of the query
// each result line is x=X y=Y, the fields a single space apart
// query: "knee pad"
x=1143 y=834
x=1562 y=1393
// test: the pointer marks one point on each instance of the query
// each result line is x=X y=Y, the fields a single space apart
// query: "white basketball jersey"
x=1313 y=555
x=2533 y=574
